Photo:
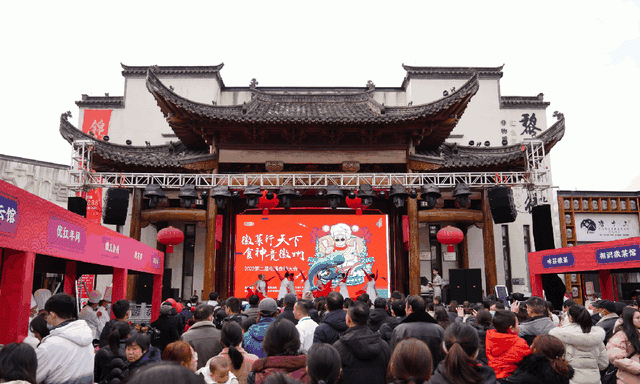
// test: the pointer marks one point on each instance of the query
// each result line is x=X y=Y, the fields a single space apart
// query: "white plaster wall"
x=198 y=263
x=48 y=181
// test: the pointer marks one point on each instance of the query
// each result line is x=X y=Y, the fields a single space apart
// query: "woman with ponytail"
x=410 y=362
x=323 y=364
x=624 y=347
x=110 y=363
x=460 y=365
x=584 y=345
x=546 y=365
x=240 y=360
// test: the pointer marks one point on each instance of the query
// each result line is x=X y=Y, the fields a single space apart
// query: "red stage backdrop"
x=96 y=123
x=319 y=246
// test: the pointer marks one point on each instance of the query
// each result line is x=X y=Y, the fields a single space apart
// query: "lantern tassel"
x=169 y=248
x=450 y=248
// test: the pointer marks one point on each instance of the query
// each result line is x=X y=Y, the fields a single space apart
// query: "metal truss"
x=82 y=178
x=302 y=181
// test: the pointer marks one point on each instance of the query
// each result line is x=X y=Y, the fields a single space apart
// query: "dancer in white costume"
x=261 y=287
x=284 y=284
x=291 y=288
x=370 y=288
x=344 y=291
x=306 y=288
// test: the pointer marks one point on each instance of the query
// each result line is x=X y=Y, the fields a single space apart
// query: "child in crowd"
x=219 y=372
x=505 y=349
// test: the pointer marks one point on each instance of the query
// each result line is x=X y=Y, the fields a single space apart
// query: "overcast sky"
x=583 y=55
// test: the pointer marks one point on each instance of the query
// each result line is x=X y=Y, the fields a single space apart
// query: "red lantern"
x=450 y=235
x=170 y=236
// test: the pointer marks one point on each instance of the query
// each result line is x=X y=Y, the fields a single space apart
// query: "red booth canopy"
x=602 y=257
x=30 y=225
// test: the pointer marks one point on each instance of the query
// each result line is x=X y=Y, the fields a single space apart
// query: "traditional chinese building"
x=443 y=126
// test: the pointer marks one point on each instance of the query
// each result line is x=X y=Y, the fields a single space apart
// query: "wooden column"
x=135 y=228
x=464 y=250
x=414 y=247
x=70 y=277
x=209 y=279
x=489 y=245
x=15 y=291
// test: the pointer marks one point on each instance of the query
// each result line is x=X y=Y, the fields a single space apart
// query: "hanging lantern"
x=450 y=235
x=170 y=236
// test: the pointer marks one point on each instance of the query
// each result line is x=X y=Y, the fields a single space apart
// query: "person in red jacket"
x=505 y=349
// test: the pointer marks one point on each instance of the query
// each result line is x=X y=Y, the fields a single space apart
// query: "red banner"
x=317 y=249
x=85 y=281
x=96 y=124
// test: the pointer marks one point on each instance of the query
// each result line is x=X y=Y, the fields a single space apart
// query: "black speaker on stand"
x=503 y=209
x=553 y=285
x=77 y=205
x=465 y=285
x=115 y=207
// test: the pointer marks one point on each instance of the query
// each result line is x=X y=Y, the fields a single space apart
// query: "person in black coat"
x=546 y=365
x=364 y=355
x=111 y=362
x=287 y=312
x=334 y=321
x=168 y=325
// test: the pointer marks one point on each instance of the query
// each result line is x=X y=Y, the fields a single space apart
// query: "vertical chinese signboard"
x=319 y=248
x=96 y=124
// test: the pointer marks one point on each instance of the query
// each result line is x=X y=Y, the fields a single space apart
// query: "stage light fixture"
x=366 y=194
x=252 y=194
x=286 y=193
x=221 y=194
x=154 y=193
x=188 y=196
x=430 y=194
x=462 y=192
x=398 y=194
x=334 y=194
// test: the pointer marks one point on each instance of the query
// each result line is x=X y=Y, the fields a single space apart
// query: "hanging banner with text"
x=96 y=124
x=592 y=227
x=319 y=248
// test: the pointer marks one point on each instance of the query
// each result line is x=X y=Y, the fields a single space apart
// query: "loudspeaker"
x=77 y=205
x=145 y=288
x=542 y=227
x=465 y=285
x=502 y=206
x=166 y=284
x=115 y=207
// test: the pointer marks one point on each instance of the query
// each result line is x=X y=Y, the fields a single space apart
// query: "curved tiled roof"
x=520 y=102
x=172 y=70
x=452 y=157
x=109 y=157
x=101 y=101
x=346 y=110
x=453 y=72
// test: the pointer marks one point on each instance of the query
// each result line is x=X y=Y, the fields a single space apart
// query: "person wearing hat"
x=103 y=308
x=89 y=314
x=609 y=317
x=252 y=339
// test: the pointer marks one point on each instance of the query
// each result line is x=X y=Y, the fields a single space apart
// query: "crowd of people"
x=332 y=340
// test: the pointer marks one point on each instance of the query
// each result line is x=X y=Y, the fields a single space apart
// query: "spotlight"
x=398 y=194
x=252 y=194
x=413 y=194
x=462 y=192
x=106 y=138
x=366 y=194
x=430 y=194
x=286 y=193
x=188 y=196
x=221 y=194
x=154 y=193
x=352 y=195
x=334 y=194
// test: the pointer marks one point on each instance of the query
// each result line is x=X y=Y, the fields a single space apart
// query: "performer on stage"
x=261 y=287
x=291 y=288
x=284 y=284
x=370 y=287
x=344 y=291
x=306 y=288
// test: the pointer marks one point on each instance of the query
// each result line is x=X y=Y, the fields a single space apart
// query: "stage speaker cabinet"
x=502 y=206
x=542 y=227
x=465 y=285
x=115 y=207
x=77 y=205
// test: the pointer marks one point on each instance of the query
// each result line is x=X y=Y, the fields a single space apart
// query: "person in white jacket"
x=66 y=355
x=584 y=344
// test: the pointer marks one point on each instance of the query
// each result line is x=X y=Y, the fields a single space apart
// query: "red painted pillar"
x=70 y=277
x=157 y=297
x=606 y=285
x=536 y=285
x=119 y=287
x=17 y=281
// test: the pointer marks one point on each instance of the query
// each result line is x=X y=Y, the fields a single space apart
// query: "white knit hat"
x=95 y=297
